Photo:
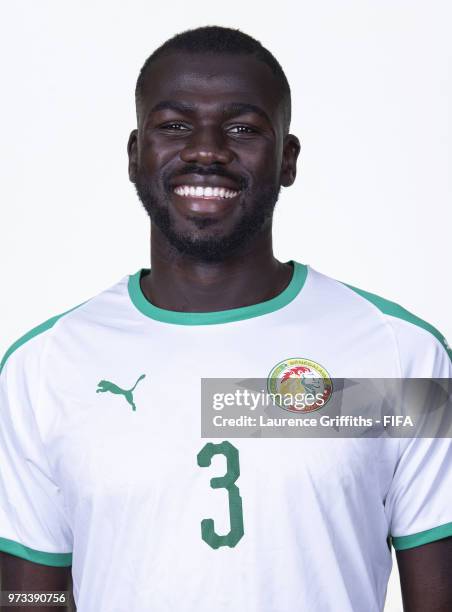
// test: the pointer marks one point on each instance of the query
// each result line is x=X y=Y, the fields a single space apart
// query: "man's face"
x=210 y=155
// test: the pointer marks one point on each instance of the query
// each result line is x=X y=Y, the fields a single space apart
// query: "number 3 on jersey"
x=224 y=482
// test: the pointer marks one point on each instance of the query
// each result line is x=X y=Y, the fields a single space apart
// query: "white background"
x=371 y=84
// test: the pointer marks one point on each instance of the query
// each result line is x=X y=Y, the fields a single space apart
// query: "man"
x=103 y=467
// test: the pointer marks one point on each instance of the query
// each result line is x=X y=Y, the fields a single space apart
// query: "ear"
x=132 y=152
x=291 y=149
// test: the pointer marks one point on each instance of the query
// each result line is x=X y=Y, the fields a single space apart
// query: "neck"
x=178 y=282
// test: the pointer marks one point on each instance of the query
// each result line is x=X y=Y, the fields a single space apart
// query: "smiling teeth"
x=205 y=192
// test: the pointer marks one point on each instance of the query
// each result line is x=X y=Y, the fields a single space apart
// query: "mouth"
x=207 y=192
x=208 y=195
x=213 y=187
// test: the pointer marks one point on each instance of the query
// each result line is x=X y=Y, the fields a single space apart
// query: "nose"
x=207 y=146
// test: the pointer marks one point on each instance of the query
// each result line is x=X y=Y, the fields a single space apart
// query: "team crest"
x=299 y=385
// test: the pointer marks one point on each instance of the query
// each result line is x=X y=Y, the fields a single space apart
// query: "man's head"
x=212 y=147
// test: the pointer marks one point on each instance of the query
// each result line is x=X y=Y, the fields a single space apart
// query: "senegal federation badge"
x=299 y=385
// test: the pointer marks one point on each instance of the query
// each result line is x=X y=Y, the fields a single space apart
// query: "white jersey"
x=103 y=467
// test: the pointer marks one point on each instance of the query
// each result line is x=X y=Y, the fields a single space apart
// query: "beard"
x=211 y=248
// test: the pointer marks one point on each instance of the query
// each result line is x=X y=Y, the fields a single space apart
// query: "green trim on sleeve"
x=36 y=556
x=138 y=298
x=39 y=329
x=424 y=537
x=395 y=310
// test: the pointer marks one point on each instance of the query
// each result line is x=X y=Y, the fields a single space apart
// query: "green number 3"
x=224 y=482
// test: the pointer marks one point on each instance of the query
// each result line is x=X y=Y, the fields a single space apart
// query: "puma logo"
x=106 y=385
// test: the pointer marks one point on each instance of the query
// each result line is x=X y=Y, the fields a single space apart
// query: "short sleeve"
x=33 y=521
x=419 y=502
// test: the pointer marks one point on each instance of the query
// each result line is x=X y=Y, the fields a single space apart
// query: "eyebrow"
x=233 y=108
x=181 y=107
x=240 y=108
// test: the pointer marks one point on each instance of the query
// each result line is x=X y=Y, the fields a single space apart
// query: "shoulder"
x=422 y=348
x=28 y=348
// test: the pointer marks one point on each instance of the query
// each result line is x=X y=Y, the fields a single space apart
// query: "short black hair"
x=219 y=40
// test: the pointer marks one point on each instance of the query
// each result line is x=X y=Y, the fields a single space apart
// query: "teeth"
x=205 y=192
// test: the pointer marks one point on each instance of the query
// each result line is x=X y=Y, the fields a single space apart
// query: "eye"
x=241 y=129
x=175 y=126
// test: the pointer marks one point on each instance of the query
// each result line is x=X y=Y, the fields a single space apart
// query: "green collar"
x=217 y=316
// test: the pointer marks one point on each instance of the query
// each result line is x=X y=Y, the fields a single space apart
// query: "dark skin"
x=229 y=115
x=425 y=577
x=214 y=131
x=20 y=575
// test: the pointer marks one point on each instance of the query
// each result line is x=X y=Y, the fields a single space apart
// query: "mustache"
x=214 y=169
